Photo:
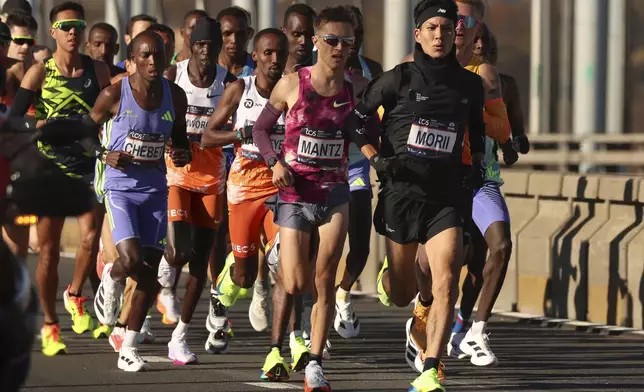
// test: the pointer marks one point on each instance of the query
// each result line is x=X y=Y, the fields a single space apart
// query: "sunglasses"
x=334 y=40
x=22 y=40
x=468 y=21
x=67 y=25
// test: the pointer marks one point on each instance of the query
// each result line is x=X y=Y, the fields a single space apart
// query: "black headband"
x=207 y=29
x=433 y=11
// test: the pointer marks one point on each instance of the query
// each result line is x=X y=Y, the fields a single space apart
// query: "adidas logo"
x=167 y=116
x=128 y=360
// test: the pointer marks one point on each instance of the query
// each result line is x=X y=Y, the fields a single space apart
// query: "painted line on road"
x=156 y=359
x=273 y=385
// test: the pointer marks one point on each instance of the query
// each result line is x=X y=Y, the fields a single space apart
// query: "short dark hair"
x=161 y=28
x=235 y=12
x=338 y=13
x=268 y=31
x=105 y=27
x=66 y=6
x=357 y=14
x=16 y=5
x=195 y=12
x=21 y=19
x=300 y=9
x=138 y=18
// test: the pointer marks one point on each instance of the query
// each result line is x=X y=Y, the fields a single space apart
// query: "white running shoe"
x=273 y=254
x=116 y=338
x=477 y=346
x=218 y=325
x=145 y=336
x=131 y=361
x=258 y=312
x=179 y=352
x=168 y=306
x=108 y=298
x=412 y=351
x=346 y=322
x=167 y=274
x=453 y=349
x=314 y=379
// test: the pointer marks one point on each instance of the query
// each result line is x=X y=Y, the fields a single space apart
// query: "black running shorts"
x=404 y=220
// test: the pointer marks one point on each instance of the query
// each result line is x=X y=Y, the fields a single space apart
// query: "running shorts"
x=229 y=153
x=359 y=176
x=405 y=220
x=138 y=215
x=308 y=217
x=489 y=207
x=198 y=209
x=245 y=224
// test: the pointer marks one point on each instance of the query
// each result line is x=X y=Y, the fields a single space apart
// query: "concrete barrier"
x=578 y=247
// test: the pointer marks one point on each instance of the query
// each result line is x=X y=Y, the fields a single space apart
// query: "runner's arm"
x=180 y=102
x=26 y=95
x=476 y=124
x=379 y=91
x=495 y=115
x=276 y=105
x=103 y=109
x=214 y=135
x=102 y=73
x=513 y=105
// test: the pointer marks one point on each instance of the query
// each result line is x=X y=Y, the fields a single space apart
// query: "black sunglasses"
x=334 y=40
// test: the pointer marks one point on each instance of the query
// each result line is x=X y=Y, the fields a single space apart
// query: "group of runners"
x=254 y=167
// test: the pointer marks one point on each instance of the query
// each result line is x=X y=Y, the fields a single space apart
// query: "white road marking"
x=273 y=385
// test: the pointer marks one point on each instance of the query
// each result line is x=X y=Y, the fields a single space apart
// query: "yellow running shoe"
x=275 y=369
x=102 y=331
x=300 y=353
x=227 y=289
x=52 y=343
x=382 y=294
x=81 y=319
x=243 y=293
x=427 y=382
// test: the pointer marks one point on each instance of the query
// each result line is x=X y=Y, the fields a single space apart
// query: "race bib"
x=145 y=147
x=250 y=149
x=429 y=138
x=320 y=148
x=197 y=121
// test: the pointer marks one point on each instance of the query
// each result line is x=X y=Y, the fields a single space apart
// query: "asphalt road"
x=532 y=358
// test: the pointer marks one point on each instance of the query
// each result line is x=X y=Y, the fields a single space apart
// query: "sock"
x=426 y=304
x=478 y=327
x=119 y=325
x=430 y=363
x=295 y=334
x=341 y=295
x=261 y=288
x=110 y=282
x=316 y=358
x=180 y=330
x=77 y=295
x=52 y=323
x=459 y=324
x=130 y=338
x=277 y=346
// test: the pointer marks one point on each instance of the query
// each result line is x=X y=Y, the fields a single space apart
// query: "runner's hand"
x=118 y=159
x=390 y=165
x=476 y=176
x=282 y=176
x=180 y=157
x=521 y=144
x=510 y=155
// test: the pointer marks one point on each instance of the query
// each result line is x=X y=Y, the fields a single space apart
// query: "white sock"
x=130 y=338
x=295 y=334
x=261 y=288
x=180 y=330
x=478 y=327
x=341 y=295
x=110 y=283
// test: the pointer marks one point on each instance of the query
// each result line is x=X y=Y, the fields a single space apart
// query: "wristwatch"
x=103 y=156
x=272 y=161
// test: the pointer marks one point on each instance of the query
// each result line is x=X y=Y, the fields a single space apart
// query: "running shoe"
x=168 y=306
x=218 y=325
x=227 y=289
x=300 y=353
x=166 y=274
x=179 y=352
x=382 y=294
x=131 y=361
x=419 y=332
x=477 y=347
x=52 y=343
x=116 y=338
x=145 y=336
x=102 y=331
x=258 y=312
x=108 y=298
x=453 y=346
x=413 y=354
x=326 y=353
x=81 y=319
x=314 y=380
x=427 y=382
x=346 y=322
x=273 y=254
x=275 y=369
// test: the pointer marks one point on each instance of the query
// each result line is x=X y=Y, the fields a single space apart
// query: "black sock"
x=316 y=358
x=426 y=303
x=74 y=294
x=277 y=346
x=119 y=325
x=430 y=363
x=52 y=323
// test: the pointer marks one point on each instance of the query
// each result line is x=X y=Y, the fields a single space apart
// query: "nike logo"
x=212 y=96
x=339 y=105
